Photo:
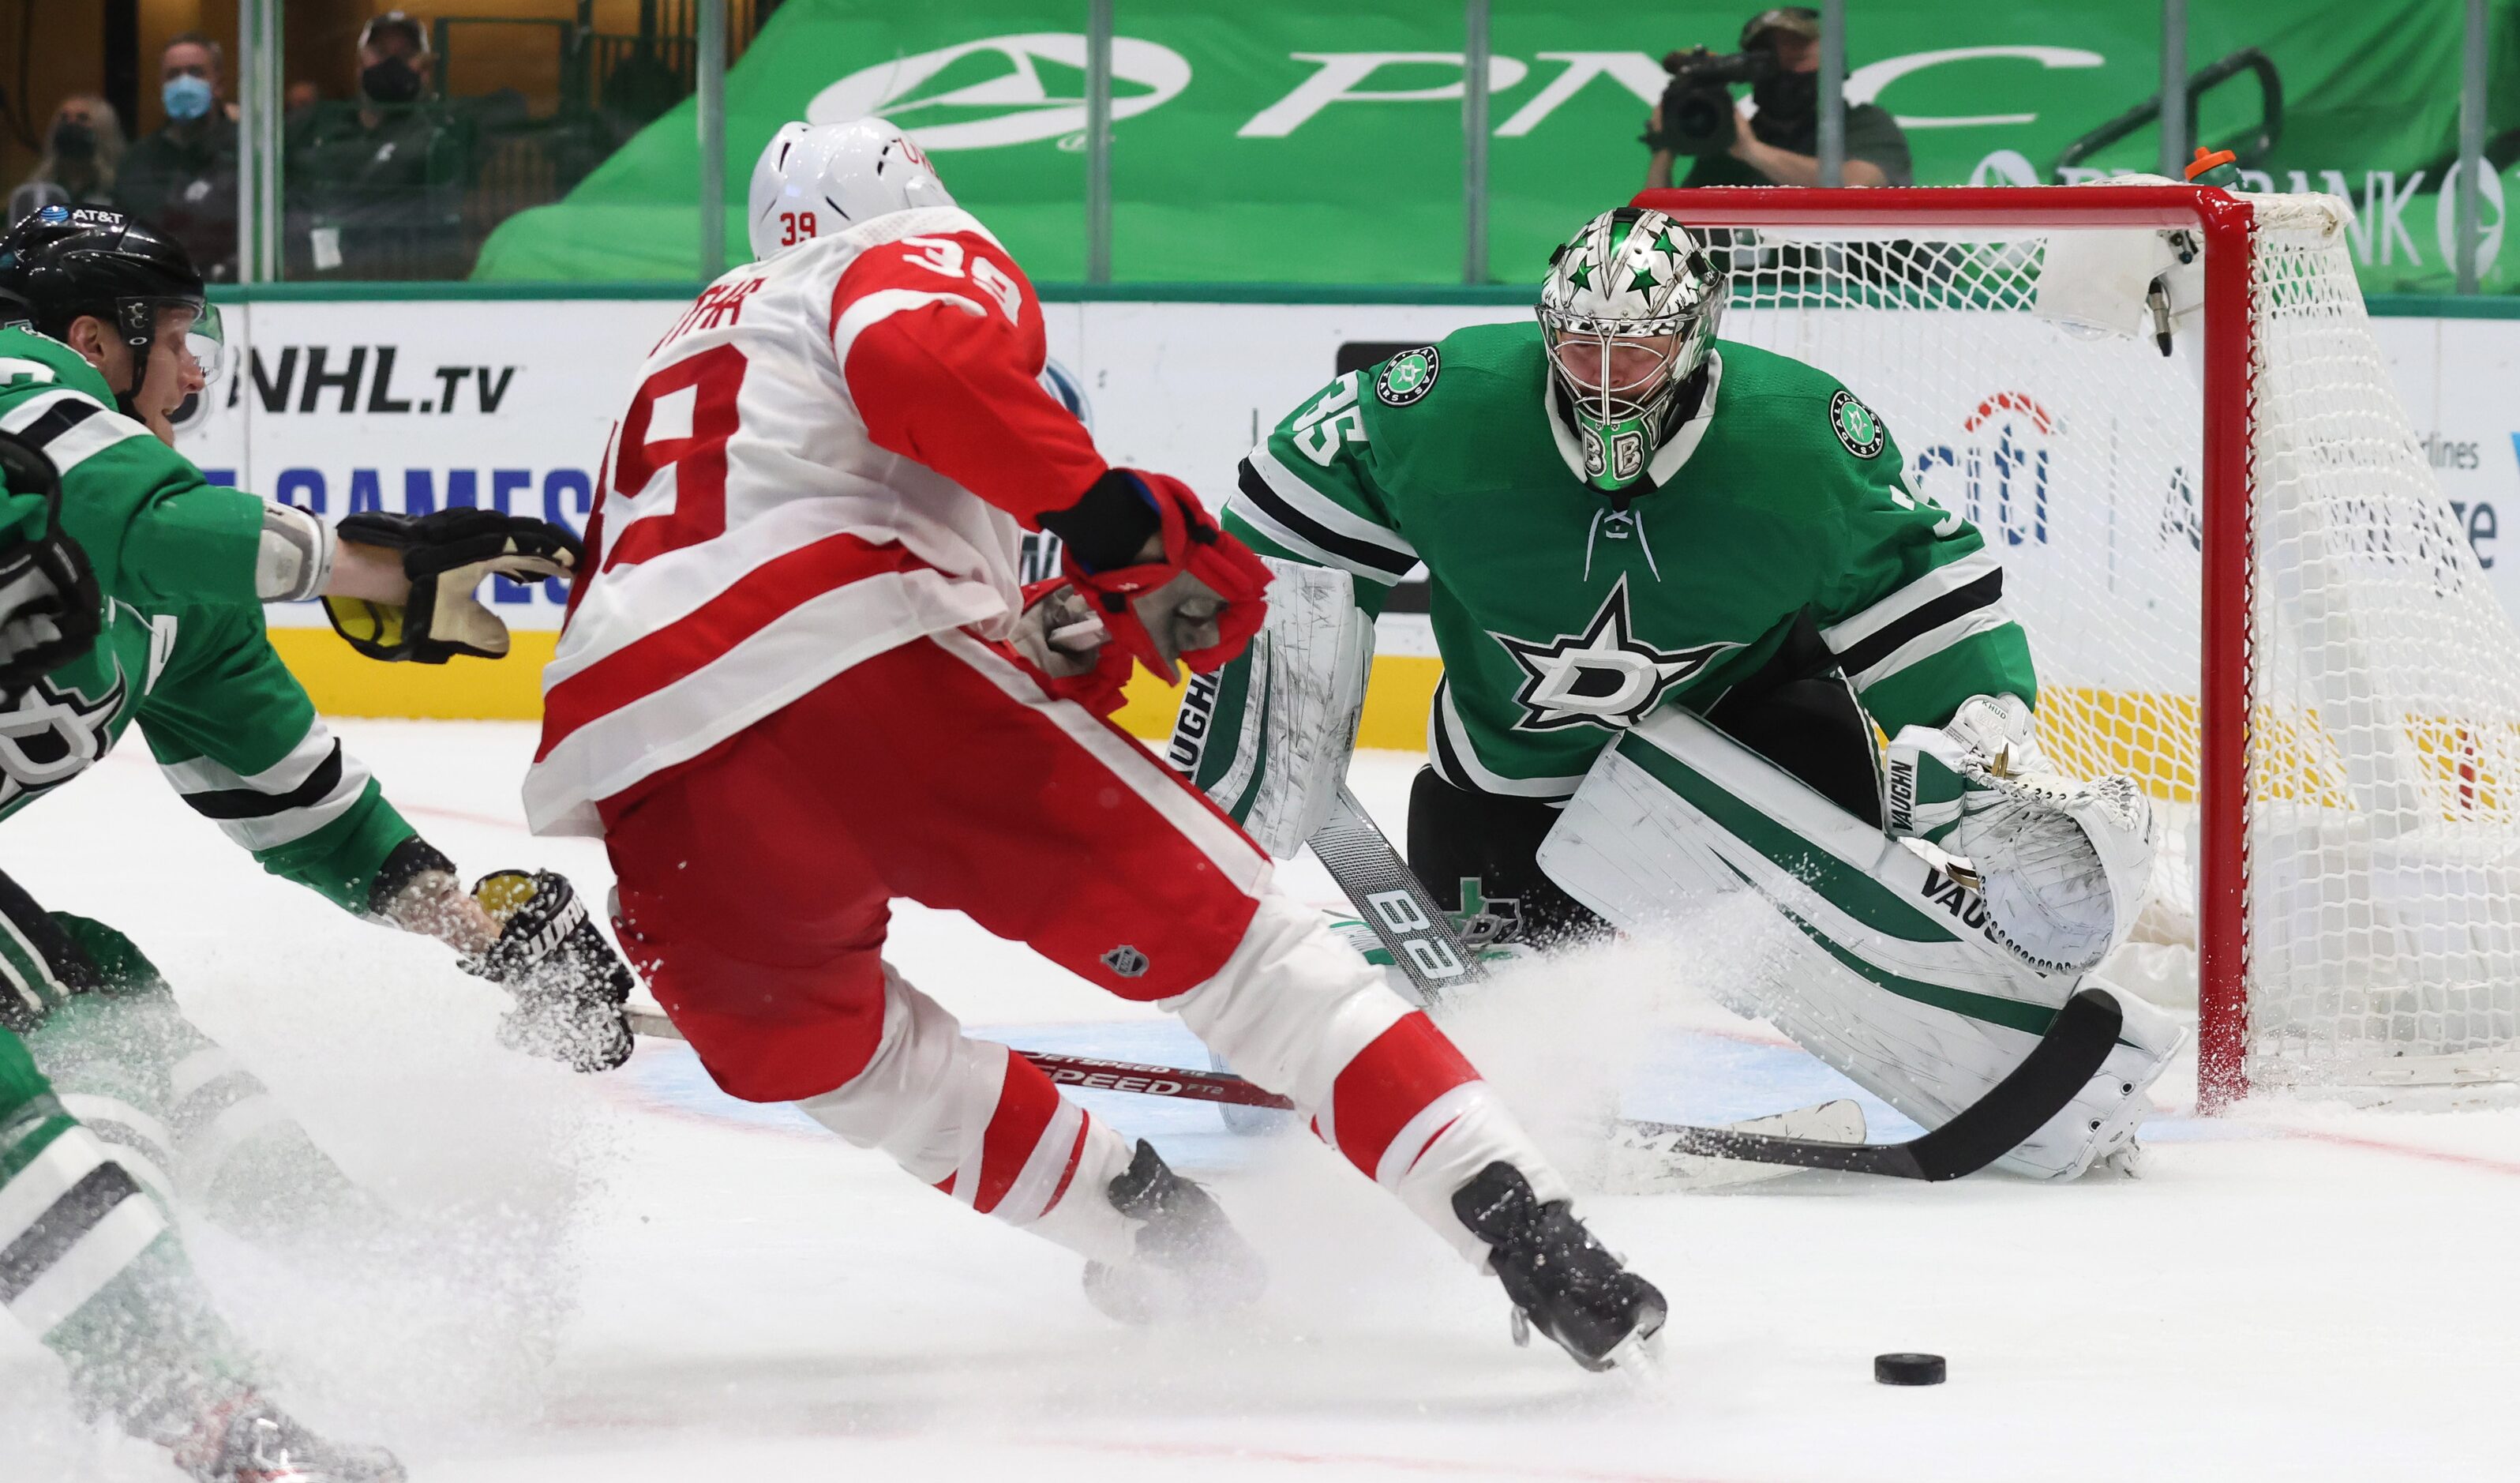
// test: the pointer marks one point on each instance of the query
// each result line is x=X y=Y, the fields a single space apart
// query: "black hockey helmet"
x=66 y=261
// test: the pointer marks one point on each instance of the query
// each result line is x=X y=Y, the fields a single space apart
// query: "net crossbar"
x=2241 y=584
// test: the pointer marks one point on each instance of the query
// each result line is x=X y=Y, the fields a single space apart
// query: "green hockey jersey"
x=1564 y=618
x=183 y=652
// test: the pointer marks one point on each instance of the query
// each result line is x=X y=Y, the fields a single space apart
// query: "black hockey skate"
x=1562 y=1281
x=1189 y=1257
x=250 y=1441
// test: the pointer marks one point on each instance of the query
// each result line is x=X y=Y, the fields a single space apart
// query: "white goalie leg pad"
x=1303 y=694
x=1887 y=971
x=1294 y=1006
x=927 y=1097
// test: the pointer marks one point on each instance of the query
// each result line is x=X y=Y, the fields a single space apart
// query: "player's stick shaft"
x=1083 y=1071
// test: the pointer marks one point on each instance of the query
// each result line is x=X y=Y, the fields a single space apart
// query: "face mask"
x=392 y=80
x=1788 y=94
x=187 y=97
x=74 y=141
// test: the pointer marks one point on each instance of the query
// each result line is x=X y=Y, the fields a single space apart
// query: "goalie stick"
x=1388 y=895
x=1423 y=944
x=2037 y=1089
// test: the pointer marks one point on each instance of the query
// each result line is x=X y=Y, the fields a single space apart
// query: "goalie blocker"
x=1894 y=972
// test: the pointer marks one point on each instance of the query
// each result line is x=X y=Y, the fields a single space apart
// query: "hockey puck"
x=1908 y=1368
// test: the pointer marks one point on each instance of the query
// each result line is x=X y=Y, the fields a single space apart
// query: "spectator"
x=81 y=152
x=183 y=178
x=376 y=186
x=1781 y=144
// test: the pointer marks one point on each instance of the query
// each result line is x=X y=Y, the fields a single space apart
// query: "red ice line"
x=1446 y=1466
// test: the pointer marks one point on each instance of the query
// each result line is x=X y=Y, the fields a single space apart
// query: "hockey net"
x=2244 y=535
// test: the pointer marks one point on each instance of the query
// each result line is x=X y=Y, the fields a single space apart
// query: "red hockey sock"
x=1393 y=1099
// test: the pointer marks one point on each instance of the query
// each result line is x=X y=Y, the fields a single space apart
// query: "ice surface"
x=631 y=1277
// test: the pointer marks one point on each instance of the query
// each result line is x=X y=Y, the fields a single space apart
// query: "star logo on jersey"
x=1408 y=376
x=52 y=735
x=1855 y=424
x=1604 y=676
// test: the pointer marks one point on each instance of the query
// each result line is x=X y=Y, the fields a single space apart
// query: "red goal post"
x=2339 y=1036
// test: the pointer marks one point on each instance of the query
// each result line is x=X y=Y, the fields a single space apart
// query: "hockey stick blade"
x=2055 y=1070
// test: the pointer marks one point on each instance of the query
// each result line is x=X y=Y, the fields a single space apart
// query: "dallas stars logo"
x=1408 y=376
x=1603 y=676
x=52 y=736
x=1855 y=424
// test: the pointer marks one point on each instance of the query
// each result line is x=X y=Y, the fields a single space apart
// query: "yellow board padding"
x=1396 y=697
x=343 y=682
x=346 y=683
x=2087 y=731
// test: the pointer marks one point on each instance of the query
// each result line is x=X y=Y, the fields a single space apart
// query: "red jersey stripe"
x=659 y=660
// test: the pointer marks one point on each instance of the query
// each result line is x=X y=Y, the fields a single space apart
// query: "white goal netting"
x=2383 y=861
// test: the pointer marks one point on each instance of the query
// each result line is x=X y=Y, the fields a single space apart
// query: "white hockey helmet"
x=819 y=178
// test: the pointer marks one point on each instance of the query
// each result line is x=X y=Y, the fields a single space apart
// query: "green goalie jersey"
x=182 y=651
x=1562 y=618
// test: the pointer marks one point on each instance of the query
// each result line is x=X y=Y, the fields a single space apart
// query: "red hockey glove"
x=1068 y=649
x=1197 y=599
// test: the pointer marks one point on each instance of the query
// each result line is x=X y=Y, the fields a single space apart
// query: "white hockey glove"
x=2063 y=865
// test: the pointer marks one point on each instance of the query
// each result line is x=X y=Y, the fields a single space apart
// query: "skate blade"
x=1636 y=1359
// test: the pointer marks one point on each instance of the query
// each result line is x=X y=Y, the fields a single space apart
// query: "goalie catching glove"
x=2064 y=866
x=448 y=555
x=1191 y=594
x=571 y=988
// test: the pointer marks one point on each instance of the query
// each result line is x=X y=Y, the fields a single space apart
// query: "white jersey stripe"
x=785 y=658
x=1934 y=641
x=882 y=304
x=95 y=1259
x=1267 y=526
x=202 y=775
x=46 y=1178
x=27 y=412
x=1948 y=578
x=1481 y=779
x=1243 y=865
x=1290 y=486
x=270 y=831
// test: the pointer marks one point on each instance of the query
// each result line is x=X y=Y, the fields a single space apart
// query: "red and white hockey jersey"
x=833 y=453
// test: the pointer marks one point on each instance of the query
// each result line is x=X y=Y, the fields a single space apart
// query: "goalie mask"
x=1628 y=313
x=815 y=179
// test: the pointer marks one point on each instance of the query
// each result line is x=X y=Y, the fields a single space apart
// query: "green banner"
x=1304 y=142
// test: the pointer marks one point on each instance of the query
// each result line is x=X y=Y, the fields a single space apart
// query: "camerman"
x=1779 y=59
